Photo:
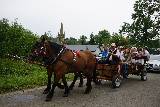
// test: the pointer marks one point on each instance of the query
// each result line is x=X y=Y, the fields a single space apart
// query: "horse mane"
x=56 y=47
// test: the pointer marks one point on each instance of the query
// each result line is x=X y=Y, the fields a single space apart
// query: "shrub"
x=15 y=39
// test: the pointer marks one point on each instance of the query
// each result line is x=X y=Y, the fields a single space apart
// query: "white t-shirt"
x=120 y=55
x=146 y=53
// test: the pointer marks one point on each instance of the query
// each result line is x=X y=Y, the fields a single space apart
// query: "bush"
x=15 y=39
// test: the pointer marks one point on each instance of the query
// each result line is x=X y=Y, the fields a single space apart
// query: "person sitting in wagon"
x=121 y=53
x=134 y=53
x=113 y=48
x=134 y=58
x=129 y=58
x=125 y=61
x=105 y=54
x=140 y=58
x=146 y=54
x=99 y=50
x=124 y=54
x=114 y=52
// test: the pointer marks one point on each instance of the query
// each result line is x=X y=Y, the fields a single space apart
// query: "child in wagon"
x=105 y=54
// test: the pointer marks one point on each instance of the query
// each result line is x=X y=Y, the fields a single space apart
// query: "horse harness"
x=52 y=60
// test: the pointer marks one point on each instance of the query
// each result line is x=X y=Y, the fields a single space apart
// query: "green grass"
x=18 y=75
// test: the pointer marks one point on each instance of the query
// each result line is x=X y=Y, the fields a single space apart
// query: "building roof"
x=91 y=48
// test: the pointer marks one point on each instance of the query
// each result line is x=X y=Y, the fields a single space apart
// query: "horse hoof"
x=87 y=91
x=80 y=85
x=71 y=88
x=46 y=91
x=49 y=97
x=65 y=95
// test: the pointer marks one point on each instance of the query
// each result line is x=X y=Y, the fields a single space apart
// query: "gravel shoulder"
x=132 y=93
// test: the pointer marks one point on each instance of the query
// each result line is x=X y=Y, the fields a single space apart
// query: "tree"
x=71 y=41
x=146 y=22
x=119 y=39
x=83 y=40
x=103 y=37
x=155 y=43
x=15 y=39
x=92 y=39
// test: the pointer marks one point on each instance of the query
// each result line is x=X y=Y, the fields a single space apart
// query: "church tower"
x=61 y=35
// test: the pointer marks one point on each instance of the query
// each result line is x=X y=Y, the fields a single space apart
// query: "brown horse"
x=37 y=57
x=61 y=60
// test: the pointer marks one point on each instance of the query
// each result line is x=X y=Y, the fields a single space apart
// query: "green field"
x=18 y=75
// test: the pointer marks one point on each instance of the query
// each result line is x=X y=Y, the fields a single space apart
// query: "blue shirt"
x=105 y=53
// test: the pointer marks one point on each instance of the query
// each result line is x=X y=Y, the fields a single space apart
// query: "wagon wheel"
x=144 y=74
x=99 y=82
x=116 y=81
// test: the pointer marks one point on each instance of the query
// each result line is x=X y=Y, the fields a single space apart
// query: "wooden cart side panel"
x=135 y=68
x=106 y=71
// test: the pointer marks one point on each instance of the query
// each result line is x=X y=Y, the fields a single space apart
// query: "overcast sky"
x=79 y=17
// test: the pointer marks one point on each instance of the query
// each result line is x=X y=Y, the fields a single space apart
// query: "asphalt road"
x=132 y=93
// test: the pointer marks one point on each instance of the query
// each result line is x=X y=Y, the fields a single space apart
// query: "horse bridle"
x=49 y=60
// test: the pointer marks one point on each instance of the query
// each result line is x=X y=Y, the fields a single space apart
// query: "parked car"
x=153 y=64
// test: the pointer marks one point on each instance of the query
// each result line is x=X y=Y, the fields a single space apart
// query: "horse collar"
x=52 y=59
x=74 y=56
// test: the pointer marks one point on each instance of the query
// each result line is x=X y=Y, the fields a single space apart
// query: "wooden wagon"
x=109 y=72
x=137 y=69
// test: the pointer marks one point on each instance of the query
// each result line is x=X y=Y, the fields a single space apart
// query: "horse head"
x=38 y=50
x=44 y=49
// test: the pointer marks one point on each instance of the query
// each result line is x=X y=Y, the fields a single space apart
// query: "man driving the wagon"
x=115 y=56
